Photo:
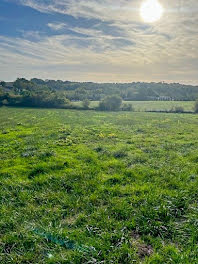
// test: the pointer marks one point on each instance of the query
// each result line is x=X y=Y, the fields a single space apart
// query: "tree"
x=3 y=96
x=196 y=107
x=85 y=104
x=2 y=83
x=110 y=103
x=32 y=94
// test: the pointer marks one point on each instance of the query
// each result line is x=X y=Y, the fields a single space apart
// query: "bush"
x=110 y=103
x=127 y=107
x=177 y=109
x=196 y=107
x=85 y=104
x=5 y=102
x=3 y=84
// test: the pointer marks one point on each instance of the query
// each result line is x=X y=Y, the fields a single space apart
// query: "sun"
x=151 y=11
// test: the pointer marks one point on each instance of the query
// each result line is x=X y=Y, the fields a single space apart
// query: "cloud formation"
x=117 y=47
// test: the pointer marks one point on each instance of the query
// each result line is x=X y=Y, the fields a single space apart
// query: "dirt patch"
x=144 y=250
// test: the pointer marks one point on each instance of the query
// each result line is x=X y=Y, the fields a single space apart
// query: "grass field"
x=141 y=106
x=94 y=187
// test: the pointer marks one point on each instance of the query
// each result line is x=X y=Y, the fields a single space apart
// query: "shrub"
x=196 y=107
x=5 y=102
x=3 y=84
x=127 y=107
x=85 y=104
x=110 y=103
x=177 y=109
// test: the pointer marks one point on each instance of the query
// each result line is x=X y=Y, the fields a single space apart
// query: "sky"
x=98 y=40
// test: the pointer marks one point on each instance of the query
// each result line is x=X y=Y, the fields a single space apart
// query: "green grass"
x=96 y=187
x=141 y=106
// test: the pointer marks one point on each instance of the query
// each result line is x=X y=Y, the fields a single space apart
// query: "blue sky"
x=98 y=40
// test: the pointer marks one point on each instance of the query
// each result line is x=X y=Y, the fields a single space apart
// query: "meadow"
x=142 y=106
x=98 y=187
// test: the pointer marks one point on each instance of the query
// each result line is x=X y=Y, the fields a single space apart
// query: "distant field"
x=141 y=106
x=161 y=105
x=81 y=187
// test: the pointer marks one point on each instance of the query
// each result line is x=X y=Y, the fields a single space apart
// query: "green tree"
x=32 y=94
x=2 y=83
x=110 y=103
x=3 y=96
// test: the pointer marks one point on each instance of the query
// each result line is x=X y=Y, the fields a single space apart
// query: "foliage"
x=27 y=93
x=196 y=107
x=85 y=104
x=142 y=106
x=39 y=93
x=177 y=109
x=3 y=95
x=127 y=107
x=2 y=83
x=58 y=94
x=110 y=103
x=136 y=91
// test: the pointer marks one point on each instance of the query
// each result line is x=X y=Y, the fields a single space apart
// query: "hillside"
x=136 y=91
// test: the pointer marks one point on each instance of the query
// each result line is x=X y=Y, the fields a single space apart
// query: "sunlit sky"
x=98 y=40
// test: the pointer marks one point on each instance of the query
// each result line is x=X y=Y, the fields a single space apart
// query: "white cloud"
x=166 y=50
x=57 y=26
x=106 y=10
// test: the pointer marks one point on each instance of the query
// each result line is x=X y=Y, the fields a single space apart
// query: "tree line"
x=60 y=94
x=27 y=93
x=136 y=91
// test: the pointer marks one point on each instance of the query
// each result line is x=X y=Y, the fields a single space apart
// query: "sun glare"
x=151 y=11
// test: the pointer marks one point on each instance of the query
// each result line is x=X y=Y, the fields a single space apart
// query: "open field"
x=95 y=187
x=141 y=106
